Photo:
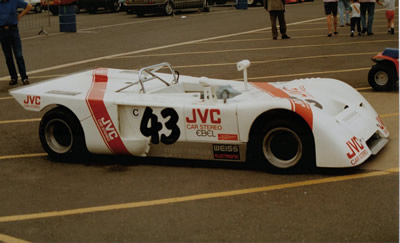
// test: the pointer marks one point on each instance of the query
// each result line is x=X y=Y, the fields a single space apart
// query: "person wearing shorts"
x=331 y=7
x=390 y=6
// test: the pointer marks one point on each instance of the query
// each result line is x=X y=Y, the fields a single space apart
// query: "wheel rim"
x=250 y=2
x=282 y=147
x=381 y=78
x=116 y=6
x=59 y=136
x=168 y=8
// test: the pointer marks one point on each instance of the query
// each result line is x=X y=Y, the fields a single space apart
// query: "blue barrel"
x=67 y=18
x=241 y=4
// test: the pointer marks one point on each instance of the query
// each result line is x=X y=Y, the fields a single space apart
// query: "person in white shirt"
x=390 y=6
x=355 y=17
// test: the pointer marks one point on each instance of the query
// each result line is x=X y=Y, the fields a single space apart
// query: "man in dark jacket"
x=276 y=9
x=10 y=39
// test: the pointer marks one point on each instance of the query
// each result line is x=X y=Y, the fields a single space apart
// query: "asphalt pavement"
x=122 y=199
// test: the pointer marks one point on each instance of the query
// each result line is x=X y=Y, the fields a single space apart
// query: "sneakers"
x=285 y=37
x=25 y=82
x=352 y=34
x=392 y=31
x=12 y=82
x=330 y=35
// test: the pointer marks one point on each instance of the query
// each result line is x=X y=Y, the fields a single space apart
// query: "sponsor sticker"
x=226 y=151
x=32 y=102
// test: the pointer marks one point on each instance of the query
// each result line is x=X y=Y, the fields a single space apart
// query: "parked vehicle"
x=142 y=7
x=317 y=121
x=93 y=6
x=36 y=6
x=384 y=75
x=53 y=5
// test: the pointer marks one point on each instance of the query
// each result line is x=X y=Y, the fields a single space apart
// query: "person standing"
x=355 y=18
x=10 y=38
x=276 y=10
x=367 y=6
x=343 y=7
x=331 y=7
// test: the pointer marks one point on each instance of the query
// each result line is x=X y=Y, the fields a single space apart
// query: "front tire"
x=61 y=134
x=283 y=142
x=382 y=77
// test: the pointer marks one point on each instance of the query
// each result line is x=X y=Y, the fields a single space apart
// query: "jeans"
x=11 y=43
x=343 y=6
x=364 y=7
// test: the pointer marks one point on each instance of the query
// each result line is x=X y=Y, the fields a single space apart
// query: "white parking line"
x=10 y=239
x=149 y=49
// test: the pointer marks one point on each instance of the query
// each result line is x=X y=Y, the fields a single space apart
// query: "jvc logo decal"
x=32 y=101
x=108 y=129
x=357 y=151
x=203 y=116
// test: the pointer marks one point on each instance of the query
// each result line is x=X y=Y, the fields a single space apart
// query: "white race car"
x=149 y=113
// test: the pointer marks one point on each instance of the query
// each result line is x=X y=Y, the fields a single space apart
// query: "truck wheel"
x=61 y=134
x=283 y=143
x=168 y=9
x=382 y=77
x=92 y=10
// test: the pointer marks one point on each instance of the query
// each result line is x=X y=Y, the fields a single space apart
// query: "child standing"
x=389 y=5
x=355 y=17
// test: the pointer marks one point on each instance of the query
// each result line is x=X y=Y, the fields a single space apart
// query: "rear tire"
x=61 y=134
x=284 y=142
x=382 y=76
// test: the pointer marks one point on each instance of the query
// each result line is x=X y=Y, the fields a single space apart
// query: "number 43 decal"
x=151 y=127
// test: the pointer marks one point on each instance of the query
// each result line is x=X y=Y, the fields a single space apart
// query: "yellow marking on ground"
x=390 y=115
x=80 y=211
x=10 y=239
x=20 y=121
x=22 y=156
x=254 y=49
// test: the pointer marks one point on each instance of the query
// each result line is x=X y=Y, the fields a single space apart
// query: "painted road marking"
x=310 y=73
x=10 y=239
x=152 y=49
x=22 y=156
x=196 y=197
x=20 y=121
x=254 y=49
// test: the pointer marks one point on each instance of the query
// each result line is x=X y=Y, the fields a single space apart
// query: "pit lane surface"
x=123 y=199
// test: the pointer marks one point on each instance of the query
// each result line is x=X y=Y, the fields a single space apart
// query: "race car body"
x=149 y=113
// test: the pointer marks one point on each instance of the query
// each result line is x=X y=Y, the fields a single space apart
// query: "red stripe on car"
x=100 y=115
x=299 y=106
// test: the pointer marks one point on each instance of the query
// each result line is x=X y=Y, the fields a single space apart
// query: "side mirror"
x=242 y=66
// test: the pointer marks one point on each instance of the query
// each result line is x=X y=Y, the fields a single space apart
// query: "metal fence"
x=35 y=20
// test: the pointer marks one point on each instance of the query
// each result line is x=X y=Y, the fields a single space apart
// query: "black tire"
x=220 y=2
x=38 y=8
x=140 y=13
x=54 y=10
x=116 y=6
x=168 y=8
x=61 y=135
x=382 y=76
x=282 y=141
x=77 y=9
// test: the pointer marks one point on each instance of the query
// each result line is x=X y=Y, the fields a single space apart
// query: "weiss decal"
x=299 y=106
x=32 y=102
x=357 y=150
x=95 y=102
x=225 y=151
